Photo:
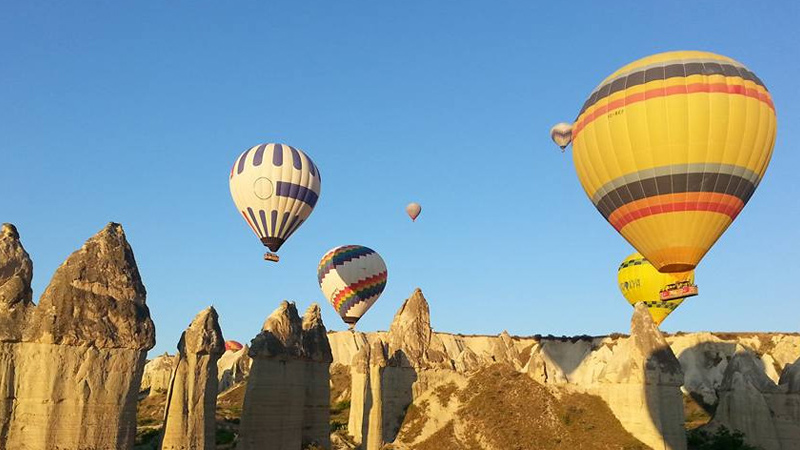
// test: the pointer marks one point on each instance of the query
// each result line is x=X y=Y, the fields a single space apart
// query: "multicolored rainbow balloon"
x=352 y=277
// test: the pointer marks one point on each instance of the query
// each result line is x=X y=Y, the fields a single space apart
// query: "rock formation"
x=157 y=374
x=360 y=395
x=638 y=376
x=749 y=401
x=233 y=367
x=16 y=272
x=641 y=385
x=189 y=421
x=318 y=358
x=289 y=376
x=78 y=368
x=377 y=365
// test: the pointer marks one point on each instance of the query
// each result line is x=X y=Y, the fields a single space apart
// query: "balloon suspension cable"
x=271 y=257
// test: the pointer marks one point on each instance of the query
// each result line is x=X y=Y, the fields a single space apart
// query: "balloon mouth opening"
x=350 y=321
x=272 y=243
x=673 y=268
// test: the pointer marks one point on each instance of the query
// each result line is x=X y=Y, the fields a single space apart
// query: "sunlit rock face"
x=78 y=365
x=157 y=374
x=16 y=272
x=287 y=401
x=192 y=398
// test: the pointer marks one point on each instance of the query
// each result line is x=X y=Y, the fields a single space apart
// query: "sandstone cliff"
x=78 y=365
x=287 y=398
x=157 y=374
x=749 y=401
x=16 y=272
x=233 y=367
x=192 y=398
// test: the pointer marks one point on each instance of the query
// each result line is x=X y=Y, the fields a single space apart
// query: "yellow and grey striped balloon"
x=671 y=147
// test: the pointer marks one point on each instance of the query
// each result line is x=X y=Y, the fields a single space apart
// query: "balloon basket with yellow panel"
x=670 y=148
x=675 y=291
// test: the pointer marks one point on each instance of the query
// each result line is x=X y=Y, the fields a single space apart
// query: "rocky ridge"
x=643 y=378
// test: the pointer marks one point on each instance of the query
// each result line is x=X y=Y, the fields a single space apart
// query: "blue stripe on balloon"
x=291 y=225
x=274 y=220
x=311 y=167
x=258 y=157
x=296 y=161
x=277 y=155
x=242 y=160
x=297 y=192
x=294 y=228
x=263 y=221
x=255 y=222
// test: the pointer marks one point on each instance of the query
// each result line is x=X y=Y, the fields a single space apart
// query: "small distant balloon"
x=561 y=134
x=233 y=346
x=413 y=209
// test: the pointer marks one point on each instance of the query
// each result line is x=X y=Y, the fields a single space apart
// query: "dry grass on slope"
x=504 y=409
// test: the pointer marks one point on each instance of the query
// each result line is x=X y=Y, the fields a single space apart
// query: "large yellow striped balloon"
x=639 y=281
x=671 y=147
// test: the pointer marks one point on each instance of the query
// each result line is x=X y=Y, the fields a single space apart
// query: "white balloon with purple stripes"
x=275 y=188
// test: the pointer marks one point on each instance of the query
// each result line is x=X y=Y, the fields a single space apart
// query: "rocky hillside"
x=656 y=385
x=412 y=388
x=501 y=408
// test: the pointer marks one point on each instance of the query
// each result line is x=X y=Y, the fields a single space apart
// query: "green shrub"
x=723 y=439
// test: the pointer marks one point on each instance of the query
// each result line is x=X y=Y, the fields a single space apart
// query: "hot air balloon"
x=671 y=147
x=561 y=134
x=352 y=277
x=275 y=187
x=662 y=293
x=413 y=209
x=233 y=346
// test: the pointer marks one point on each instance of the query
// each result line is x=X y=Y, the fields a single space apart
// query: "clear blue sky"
x=135 y=114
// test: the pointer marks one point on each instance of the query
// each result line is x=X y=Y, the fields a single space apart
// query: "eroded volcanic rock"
x=192 y=397
x=16 y=272
x=95 y=298
x=287 y=402
x=78 y=368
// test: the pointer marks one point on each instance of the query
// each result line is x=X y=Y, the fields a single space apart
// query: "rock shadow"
x=564 y=355
x=397 y=393
x=664 y=401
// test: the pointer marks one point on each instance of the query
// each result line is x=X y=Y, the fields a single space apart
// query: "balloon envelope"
x=413 y=209
x=275 y=188
x=639 y=281
x=561 y=134
x=671 y=147
x=233 y=346
x=352 y=277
